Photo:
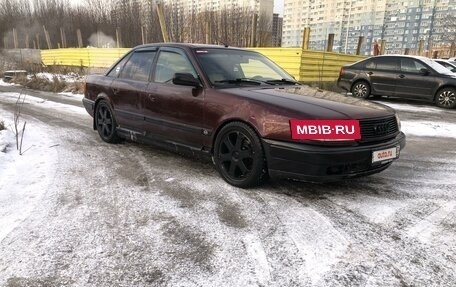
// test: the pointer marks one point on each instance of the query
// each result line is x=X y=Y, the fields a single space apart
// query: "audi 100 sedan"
x=411 y=77
x=243 y=111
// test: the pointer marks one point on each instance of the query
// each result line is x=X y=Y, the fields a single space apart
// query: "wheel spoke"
x=239 y=138
x=243 y=168
x=106 y=130
x=228 y=144
x=232 y=169
x=224 y=157
x=243 y=154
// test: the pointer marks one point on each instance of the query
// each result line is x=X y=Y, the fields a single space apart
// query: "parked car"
x=450 y=65
x=239 y=108
x=400 y=76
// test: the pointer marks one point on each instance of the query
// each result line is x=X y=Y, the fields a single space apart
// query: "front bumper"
x=89 y=105
x=325 y=163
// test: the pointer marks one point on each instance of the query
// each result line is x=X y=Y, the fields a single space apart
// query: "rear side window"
x=411 y=65
x=138 y=66
x=386 y=63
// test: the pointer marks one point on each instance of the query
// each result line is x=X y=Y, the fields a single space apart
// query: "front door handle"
x=401 y=76
x=370 y=73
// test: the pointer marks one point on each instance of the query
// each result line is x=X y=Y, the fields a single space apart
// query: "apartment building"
x=402 y=24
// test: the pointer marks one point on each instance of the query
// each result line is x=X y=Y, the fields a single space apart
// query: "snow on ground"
x=411 y=108
x=23 y=178
x=70 y=77
x=3 y=83
x=429 y=129
x=42 y=103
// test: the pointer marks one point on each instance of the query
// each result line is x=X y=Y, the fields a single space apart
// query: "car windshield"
x=436 y=66
x=228 y=67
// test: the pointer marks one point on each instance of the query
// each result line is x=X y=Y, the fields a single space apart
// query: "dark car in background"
x=412 y=77
x=236 y=107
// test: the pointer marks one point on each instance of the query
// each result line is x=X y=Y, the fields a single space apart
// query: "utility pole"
x=161 y=19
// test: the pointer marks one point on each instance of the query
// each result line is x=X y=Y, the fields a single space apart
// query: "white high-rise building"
x=402 y=24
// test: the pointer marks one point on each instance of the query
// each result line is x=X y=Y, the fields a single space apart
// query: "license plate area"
x=384 y=155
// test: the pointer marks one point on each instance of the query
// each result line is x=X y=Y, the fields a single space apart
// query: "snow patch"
x=430 y=129
x=23 y=178
x=256 y=251
x=319 y=243
x=3 y=83
x=412 y=108
x=43 y=103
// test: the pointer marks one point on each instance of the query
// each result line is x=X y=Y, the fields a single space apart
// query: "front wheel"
x=239 y=155
x=361 y=89
x=446 y=98
x=106 y=123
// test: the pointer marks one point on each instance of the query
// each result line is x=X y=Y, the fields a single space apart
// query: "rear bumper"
x=325 y=163
x=344 y=83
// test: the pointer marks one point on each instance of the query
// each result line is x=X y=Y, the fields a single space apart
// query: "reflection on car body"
x=235 y=106
x=410 y=77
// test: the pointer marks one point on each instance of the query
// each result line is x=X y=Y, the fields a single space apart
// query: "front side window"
x=169 y=63
x=138 y=66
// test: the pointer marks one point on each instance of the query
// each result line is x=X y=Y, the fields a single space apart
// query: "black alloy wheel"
x=446 y=98
x=361 y=89
x=106 y=123
x=239 y=155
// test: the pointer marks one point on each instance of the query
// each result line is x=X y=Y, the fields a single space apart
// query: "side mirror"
x=186 y=79
x=424 y=71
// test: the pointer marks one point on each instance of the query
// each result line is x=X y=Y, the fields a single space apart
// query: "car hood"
x=310 y=102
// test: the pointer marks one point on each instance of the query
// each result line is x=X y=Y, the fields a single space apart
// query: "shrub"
x=2 y=126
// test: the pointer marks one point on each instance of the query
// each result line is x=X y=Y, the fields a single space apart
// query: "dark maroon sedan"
x=242 y=110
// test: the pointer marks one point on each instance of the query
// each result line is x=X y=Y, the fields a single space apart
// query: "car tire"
x=361 y=89
x=446 y=98
x=239 y=155
x=106 y=123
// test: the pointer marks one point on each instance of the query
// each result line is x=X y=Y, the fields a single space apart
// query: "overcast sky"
x=278 y=7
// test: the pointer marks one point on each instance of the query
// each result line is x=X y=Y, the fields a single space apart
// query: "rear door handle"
x=401 y=76
x=151 y=97
x=115 y=91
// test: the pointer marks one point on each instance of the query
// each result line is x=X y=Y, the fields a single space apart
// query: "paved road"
x=133 y=215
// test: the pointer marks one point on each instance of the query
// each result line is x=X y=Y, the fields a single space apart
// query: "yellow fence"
x=304 y=65
x=85 y=57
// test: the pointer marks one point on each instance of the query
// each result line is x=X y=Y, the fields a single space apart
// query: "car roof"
x=404 y=56
x=187 y=45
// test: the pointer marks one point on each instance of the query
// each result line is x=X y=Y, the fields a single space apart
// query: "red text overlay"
x=325 y=129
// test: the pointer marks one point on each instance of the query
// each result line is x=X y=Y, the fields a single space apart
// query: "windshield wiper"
x=240 y=81
x=281 y=81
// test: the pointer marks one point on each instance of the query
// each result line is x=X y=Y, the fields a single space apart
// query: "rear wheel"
x=106 y=123
x=361 y=89
x=446 y=98
x=239 y=155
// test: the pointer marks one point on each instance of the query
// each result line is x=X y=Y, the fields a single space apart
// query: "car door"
x=128 y=90
x=382 y=73
x=413 y=81
x=174 y=112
